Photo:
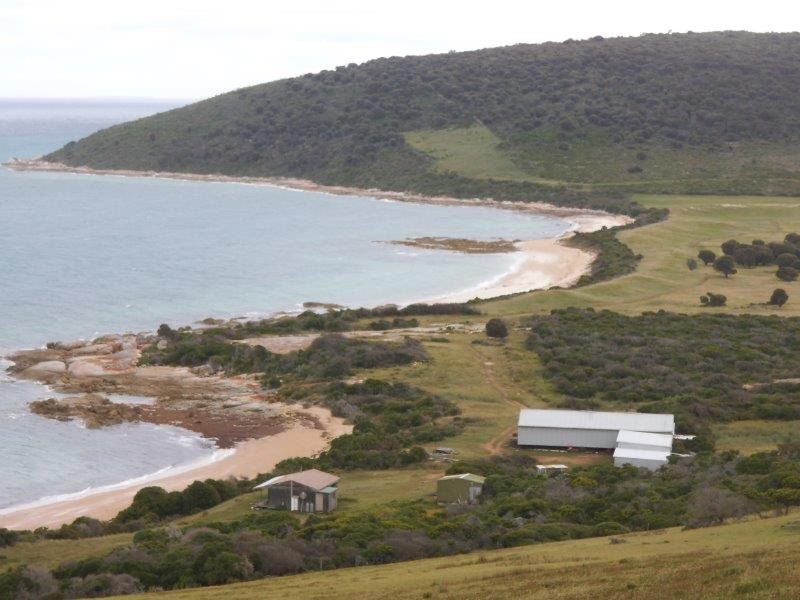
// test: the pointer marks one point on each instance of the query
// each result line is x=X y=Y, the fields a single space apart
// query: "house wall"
x=279 y=497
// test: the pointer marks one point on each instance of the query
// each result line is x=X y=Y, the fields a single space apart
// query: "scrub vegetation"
x=518 y=507
x=657 y=113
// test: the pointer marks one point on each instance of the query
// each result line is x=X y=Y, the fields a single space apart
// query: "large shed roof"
x=589 y=419
x=313 y=478
x=656 y=440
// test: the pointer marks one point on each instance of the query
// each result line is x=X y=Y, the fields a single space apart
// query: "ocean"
x=84 y=255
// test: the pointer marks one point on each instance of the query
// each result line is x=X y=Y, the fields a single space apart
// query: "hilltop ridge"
x=660 y=112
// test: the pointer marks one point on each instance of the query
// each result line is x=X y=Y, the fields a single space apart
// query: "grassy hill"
x=713 y=112
x=754 y=559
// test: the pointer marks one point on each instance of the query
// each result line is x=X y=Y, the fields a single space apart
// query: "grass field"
x=755 y=436
x=662 y=280
x=596 y=162
x=757 y=558
x=472 y=151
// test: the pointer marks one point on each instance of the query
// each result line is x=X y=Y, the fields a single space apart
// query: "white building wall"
x=647 y=463
x=566 y=437
x=634 y=446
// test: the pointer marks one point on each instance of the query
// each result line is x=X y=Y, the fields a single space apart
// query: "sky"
x=179 y=49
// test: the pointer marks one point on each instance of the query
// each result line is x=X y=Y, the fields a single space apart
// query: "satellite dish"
x=302 y=495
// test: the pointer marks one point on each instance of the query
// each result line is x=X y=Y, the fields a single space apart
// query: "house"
x=459 y=489
x=305 y=491
x=586 y=428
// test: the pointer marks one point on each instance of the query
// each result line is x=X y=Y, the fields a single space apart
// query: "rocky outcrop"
x=47 y=371
x=93 y=409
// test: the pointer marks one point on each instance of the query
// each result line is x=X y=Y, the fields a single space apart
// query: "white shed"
x=638 y=440
x=649 y=459
x=585 y=428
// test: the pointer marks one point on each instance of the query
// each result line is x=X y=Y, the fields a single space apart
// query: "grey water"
x=82 y=255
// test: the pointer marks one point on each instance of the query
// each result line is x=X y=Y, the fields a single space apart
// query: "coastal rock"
x=48 y=370
x=85 y=368
x=94 y=349
x=69 y=346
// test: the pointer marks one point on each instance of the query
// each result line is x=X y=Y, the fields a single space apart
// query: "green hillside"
x=711 y=112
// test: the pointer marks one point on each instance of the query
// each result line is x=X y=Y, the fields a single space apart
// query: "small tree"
x=725 y=265
x=787 y=274
x=691 y=264
x=707 y=256
x=779 y=298
x=496 y=328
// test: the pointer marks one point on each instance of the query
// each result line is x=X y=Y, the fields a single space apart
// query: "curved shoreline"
x=582 y=217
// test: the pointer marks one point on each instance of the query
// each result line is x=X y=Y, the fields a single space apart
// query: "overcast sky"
x=197 y=48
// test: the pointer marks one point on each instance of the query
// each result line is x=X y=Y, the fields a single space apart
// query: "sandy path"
x=249 y=459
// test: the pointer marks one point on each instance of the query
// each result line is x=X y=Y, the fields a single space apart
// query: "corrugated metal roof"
x=313 y=478
x=657 y=440
x=467 y=476
x=643 y=454
x=589 y=419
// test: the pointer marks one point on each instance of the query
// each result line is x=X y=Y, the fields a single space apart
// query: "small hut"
x=459 y=489
x=305 y=491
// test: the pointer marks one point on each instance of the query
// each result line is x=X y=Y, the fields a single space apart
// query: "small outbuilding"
x=548 y=469
x=305 y=491
x=459 y=489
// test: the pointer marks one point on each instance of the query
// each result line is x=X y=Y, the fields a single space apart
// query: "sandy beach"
x=537 y=264
x=248 y=459
x=540 y=265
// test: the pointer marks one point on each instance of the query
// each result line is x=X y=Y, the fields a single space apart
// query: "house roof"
x=465 y=476
x=660 y=455
x=313 y=478
x=589 y=419
x=656 y=440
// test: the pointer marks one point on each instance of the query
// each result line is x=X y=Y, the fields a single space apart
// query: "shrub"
x=712 y=299
x=787 y=260
x=787 y=274
x=200 y=495
x=496 y=328
x=707 y=256
x=779 y=297
x=729 y=247
x=691 y=264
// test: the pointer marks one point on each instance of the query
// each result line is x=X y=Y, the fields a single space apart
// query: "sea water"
x=82 y=255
